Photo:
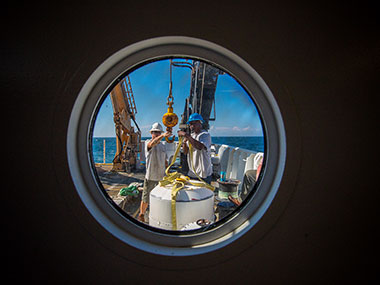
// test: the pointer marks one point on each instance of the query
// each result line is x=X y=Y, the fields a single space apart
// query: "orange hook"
x=169 y=140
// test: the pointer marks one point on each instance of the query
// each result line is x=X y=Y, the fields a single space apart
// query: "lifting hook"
x=170 y=119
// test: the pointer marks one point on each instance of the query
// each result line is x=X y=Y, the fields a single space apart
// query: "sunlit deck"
x=113 y=182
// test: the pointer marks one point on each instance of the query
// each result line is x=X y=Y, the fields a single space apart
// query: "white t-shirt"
x=201 y=158
x=155 y=161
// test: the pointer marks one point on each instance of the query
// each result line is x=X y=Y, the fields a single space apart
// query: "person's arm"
x=185 y=148
x=157 y=140
x=258 y=170
x=194 y=142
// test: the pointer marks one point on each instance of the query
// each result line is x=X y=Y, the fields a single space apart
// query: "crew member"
x=249 y=180
x=156 y=163
x=200 y=139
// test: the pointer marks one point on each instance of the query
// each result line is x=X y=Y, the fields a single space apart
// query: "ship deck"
x=113 y=182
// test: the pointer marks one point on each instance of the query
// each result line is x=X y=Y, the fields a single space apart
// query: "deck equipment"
x=173 y=183
x=170 y=119
x=128 y=140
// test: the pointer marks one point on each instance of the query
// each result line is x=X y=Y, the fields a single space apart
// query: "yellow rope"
x=178 y=181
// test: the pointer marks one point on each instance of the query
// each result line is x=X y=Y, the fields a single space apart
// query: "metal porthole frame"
x=84 y=178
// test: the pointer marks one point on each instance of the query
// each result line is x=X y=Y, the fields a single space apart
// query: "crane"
x=128 y=140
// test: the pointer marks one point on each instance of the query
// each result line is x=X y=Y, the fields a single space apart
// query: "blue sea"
x=250 y=143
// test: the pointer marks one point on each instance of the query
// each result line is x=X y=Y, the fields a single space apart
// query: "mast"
x=201 y=100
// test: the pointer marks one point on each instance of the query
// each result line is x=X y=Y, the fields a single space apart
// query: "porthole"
x=179 y=69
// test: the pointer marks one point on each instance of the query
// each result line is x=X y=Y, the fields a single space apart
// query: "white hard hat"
x=156 y=127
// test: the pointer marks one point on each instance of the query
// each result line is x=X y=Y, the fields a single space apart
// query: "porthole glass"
x=136 y=175
x=215 y=95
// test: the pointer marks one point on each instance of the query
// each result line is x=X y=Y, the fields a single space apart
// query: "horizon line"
x=211 y=136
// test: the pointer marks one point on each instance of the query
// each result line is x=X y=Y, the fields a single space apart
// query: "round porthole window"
x=176 y=146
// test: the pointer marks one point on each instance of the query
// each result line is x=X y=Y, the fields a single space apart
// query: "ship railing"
x=233 y=161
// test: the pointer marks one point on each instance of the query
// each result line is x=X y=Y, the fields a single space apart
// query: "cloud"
x=235 y=131
x=229 y=90
x=247 y=128
x=222 y=128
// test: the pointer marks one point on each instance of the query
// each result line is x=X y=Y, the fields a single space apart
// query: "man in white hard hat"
x=156 y=163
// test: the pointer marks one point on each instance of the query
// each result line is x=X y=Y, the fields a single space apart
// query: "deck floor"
x=114 y=181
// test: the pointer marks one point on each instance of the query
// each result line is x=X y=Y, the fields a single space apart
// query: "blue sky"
x=236 y=114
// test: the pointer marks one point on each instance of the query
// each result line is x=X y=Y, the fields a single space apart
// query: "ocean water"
x=250 y=143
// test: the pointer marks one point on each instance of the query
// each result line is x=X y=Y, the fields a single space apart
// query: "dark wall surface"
x=321 y=61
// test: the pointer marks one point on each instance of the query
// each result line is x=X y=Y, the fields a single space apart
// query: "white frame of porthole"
x=84 y=178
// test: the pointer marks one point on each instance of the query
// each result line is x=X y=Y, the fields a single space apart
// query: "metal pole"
x=203 y=85
x=104 y=151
